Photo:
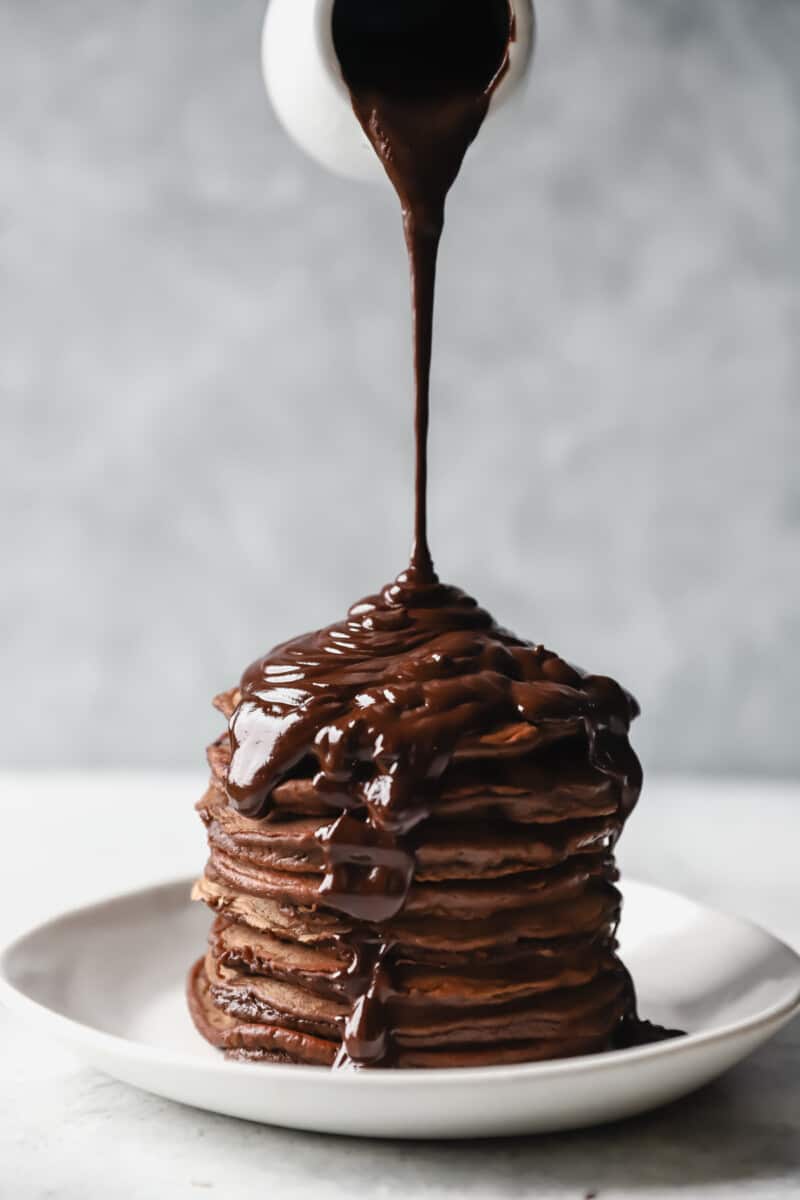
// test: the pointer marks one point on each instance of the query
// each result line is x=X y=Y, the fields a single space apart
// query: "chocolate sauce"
x=378 y=715
x=421 y=75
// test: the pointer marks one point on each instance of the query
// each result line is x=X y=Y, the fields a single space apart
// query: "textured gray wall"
x=205 y=370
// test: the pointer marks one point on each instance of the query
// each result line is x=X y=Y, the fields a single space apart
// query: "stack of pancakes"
x=502 y=945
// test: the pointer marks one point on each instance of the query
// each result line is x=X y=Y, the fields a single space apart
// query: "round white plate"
x=108 y=980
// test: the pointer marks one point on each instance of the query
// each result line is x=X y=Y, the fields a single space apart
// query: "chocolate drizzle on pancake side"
x=418 y=694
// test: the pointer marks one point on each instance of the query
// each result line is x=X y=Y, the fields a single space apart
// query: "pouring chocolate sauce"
x=421 y=75
x=377 y=712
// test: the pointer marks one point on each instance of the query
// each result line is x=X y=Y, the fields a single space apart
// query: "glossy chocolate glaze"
x=412 y=824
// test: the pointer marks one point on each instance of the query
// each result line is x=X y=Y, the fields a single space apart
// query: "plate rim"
x=69 y=1030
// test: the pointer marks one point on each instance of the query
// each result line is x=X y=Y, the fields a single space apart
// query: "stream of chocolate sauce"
x=375 y=707
x=421 y=74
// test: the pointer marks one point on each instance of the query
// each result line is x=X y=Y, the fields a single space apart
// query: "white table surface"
x=68 y=1133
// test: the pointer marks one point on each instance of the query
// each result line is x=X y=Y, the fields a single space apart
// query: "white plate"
x=108 y=980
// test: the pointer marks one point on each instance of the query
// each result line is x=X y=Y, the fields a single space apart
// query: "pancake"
x=411 y=826
x=275 y=1024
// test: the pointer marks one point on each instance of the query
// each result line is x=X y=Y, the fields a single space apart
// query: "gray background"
x=205 y=376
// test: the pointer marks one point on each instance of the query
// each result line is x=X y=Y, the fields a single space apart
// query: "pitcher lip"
x=323 y=41
x=312 y=100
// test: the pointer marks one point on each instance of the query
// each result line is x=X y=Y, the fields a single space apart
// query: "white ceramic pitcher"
x=304 y=82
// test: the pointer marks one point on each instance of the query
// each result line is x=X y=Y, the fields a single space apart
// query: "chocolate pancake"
x=411 y=833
